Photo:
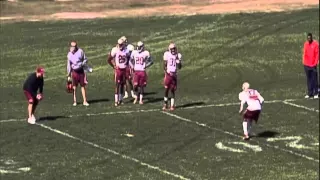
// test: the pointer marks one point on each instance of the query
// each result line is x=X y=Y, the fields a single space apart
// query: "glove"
x=69 y=78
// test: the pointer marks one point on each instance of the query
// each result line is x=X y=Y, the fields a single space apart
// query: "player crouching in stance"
x=172 y=61
x=254 y=100
x=118 y=59
x=33 y=83
x=140 y=60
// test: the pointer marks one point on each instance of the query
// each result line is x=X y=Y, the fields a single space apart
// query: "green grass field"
x=201 y=139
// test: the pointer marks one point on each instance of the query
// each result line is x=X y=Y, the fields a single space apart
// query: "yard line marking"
x=300 y=106
x=154 y=110
x=119 y=112
x=235 y=135
x=113 y=152
x=12 y=120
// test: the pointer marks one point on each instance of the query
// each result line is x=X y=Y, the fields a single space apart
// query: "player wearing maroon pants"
x=253 y=99
x=128 y=87
x=140 y=60
x=33 y=83
x=172 y=62
x=117 y=59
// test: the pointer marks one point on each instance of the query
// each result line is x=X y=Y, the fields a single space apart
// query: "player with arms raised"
x=172 y=62
x=139 y=61
x=128 y=87
x=254 y=100
x=118 y=59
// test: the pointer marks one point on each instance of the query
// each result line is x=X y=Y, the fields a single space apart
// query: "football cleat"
x=246 y=137
x=172 y=108
x=86 y=104
x=141 y=102
x=135 y=100
x=74 y=104
x=125 y=95
x=164 y=107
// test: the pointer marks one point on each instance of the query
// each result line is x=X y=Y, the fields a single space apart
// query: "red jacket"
x=311 y=53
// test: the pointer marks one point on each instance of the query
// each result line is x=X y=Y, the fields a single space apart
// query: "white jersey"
x=172 y=61
x=139 y=60
x=120 y=57
x=253 y=98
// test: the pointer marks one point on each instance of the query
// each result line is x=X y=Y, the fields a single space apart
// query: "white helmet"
x=121 y=43
x=130 y=47
x=140 y=46
x=172 y=48
x=125 y=40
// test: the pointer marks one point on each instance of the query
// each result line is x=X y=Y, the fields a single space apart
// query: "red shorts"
x=78 y=77
x=140 y=78
x=251 y=115
x=170 y=81
x=128 y=73
x=120 y=76
x=31 y=99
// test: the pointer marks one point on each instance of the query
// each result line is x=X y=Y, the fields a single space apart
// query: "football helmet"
x=172 y=48
x=140 y=46
x=125 y=40
x=121 y=44
x=130 y=47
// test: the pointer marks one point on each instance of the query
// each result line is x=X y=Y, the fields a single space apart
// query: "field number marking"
x=254 y=148
x=294 y=140
x=9 y=167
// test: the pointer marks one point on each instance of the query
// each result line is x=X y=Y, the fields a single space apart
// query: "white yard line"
x=235 y=135
x=114 y=152
x=154 y=110
x=300 y=106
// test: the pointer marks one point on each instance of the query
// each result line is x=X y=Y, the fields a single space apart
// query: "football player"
x=140 y=60
x=172 y=62
x=254 y=100
x=118 y=60
x=128 y=87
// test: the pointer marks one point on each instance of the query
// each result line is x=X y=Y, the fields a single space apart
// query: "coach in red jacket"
x=310 y=61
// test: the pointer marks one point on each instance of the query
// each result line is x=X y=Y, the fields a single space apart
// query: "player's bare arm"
x=111 y=61
x=179 y=65
x=241 y=106
x=149 y=62
x=165 y=65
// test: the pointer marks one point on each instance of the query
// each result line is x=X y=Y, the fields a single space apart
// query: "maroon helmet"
x=69 y=87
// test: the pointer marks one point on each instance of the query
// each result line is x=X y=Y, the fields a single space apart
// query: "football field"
x=201 y=139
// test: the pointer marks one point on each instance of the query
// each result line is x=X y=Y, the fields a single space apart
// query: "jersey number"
x=122 y=59
x=139 y=60
x=172 y=62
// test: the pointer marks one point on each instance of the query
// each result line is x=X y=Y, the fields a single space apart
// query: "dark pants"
x=312 y=80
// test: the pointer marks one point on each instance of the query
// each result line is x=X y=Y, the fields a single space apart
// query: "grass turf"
x=219 y=53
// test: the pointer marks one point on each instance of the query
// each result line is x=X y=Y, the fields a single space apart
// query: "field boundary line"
x=235 y=135
x=155 y=110
x=113 y=152
x=300 y=106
